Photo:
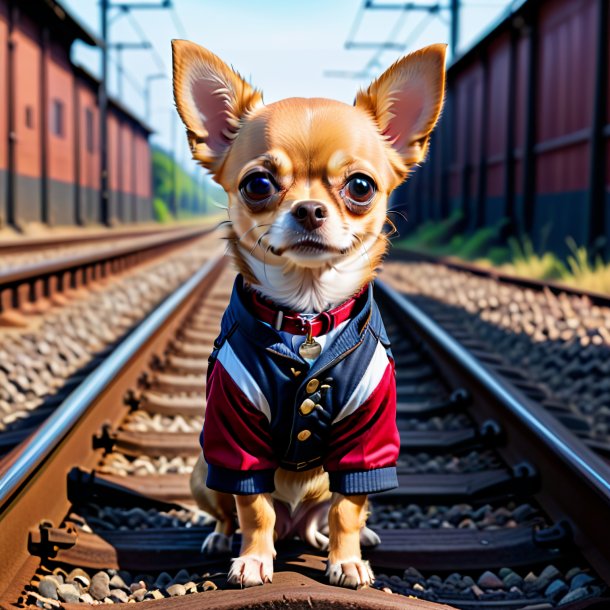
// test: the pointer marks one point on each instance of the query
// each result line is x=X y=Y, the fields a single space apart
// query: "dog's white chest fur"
x=309 y=290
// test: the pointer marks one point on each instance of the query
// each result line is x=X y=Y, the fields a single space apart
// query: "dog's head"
x=308 y=180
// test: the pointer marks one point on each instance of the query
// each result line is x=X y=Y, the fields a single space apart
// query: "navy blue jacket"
x=267 y=407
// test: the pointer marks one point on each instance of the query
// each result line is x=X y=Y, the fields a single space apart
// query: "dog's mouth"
x=308 y=246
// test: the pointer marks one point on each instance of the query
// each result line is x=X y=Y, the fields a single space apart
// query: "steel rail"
x=66 y=263
x=540 y=431
x=42 y=242
x=37 y=448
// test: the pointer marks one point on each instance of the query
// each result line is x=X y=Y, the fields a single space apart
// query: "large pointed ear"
x=212 y=100
x=406 y=101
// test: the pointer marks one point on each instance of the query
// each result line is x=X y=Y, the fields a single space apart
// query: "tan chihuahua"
x=301 y=398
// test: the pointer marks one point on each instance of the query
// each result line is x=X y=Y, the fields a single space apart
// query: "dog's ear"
x=406 y=100
x=212 y=100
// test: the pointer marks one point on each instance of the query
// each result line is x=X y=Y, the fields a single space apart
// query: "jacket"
x=267 y=407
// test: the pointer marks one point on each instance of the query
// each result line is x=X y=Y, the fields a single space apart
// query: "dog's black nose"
x=311 y=214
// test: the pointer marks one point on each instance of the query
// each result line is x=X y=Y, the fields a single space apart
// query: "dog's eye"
x=258 y=187
x=359 y=190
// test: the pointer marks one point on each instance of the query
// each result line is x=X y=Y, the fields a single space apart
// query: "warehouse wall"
x=49 y=134
x=516 y=140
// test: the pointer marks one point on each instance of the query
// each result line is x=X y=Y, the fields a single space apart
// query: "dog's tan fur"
x=311 y=147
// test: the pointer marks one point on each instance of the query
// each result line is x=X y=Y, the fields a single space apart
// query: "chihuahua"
x=300 y=421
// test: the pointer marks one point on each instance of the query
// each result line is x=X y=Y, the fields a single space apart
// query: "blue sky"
x=284 y=47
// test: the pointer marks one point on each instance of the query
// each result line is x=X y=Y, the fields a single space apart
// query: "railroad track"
x=71 y=313
x=44 y=273
x=551 y=340
x=498 y=505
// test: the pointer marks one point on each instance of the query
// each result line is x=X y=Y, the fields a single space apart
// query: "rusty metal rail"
x=58 y=485
x=23 y=287
x=575 y=482
x=46 y=241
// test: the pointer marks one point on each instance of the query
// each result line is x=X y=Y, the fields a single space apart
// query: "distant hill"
x=195 y=194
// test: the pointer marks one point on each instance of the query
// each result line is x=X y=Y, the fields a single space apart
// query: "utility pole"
x=103 y=106
x=105 y=6
x=455 y=27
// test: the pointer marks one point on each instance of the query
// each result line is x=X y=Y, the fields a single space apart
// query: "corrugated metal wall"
x=49 y=134
x=520 y=138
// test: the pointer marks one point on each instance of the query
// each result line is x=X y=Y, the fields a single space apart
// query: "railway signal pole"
x=455 y=27
x=103 y=106
x=105 y=7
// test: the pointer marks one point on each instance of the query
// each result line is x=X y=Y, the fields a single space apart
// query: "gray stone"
x=176 y=590
x=68 y=593
x=467 y=581
x=581 y=580
x=413 y=575
x=163 y=580
x=138 y=594
x=99 y=587
x=488 y=580
x=79 y=576
x=118 y=595
x=549 y=573
x=512 y=579
x=190 y=587
x=572 y=572
x=573 y=596
x=557 y=588
x=523 y=513
x=116 y=582
x=48 y=588
x=477 y=591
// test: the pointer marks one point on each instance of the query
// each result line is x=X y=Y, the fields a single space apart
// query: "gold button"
x=312 y=386
x=307 y=406
x=303 y=435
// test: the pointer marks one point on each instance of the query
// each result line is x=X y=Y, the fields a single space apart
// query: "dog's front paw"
x=216 y=544
x=351 y=574
x=251 y=570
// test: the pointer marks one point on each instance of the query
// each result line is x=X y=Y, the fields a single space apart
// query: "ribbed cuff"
x=364 y=481
x=240 y=482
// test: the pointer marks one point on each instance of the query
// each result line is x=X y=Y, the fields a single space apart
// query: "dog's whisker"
x=394 y=229
x=265 y=261
x=259 y=240
x=401 y=214
x=256 y=226
x=365 y=251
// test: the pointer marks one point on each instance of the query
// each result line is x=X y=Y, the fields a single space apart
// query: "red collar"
x=294 y=323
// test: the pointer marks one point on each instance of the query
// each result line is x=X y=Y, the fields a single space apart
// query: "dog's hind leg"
x=219 y=505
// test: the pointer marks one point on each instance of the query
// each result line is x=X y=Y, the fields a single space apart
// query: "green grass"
x=528 y=263
x=432 y=235
x=485 y=247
